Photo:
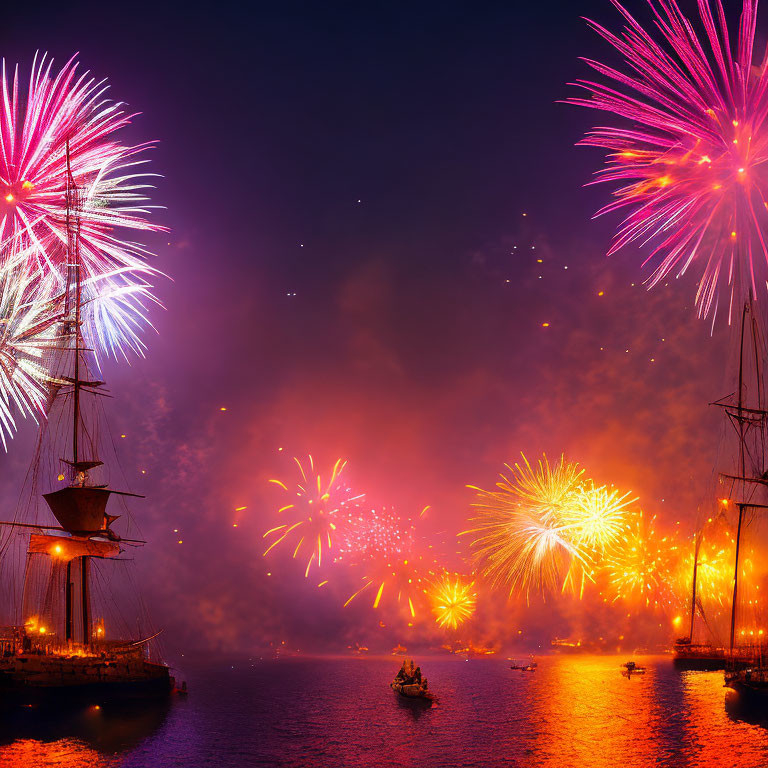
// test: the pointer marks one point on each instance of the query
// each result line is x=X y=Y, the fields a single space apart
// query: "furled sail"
x=67 y=548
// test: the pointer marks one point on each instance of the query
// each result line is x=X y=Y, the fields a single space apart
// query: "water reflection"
x=586 y=702
x=77 y=735
x=414 y=707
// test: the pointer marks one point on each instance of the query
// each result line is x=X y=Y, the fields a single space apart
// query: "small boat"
x=409 y=683
x=632 y=668
x=530 y=667
x=412 y=690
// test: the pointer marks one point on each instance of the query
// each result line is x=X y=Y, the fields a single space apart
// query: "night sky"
x=359 y=196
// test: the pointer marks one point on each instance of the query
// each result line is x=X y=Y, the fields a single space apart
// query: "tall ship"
x=741 y=511
x=709 y=652
x=60 y=644
x=746 y=487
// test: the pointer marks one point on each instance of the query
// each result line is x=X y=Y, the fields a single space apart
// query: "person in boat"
x=417 y=675
x=401 y=674
x=424 y=685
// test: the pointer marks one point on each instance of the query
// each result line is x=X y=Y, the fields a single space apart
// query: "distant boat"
x=632 y=668
x=529 y=667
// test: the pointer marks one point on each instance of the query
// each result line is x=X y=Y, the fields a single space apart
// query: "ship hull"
x=755 y=693
x=700 y=663
x=40 y=679
x=16 y=693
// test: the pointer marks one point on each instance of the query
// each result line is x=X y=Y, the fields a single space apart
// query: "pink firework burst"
x=36 y=123
x=690 y=162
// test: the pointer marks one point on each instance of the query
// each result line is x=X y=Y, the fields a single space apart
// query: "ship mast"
x=746 y=419
x=80 y=507
x=73 y=203
x=74 y=283
x=693 y=592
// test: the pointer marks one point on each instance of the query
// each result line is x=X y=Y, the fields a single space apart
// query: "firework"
x=29 y=329
x=453 y=601
x=367 y=533
x=400 y=571
x=690 y=164
x=69 y=108
x=597 y=516
x=714 y=573
x=640 y=570
x=315 y=507
x=521 y=536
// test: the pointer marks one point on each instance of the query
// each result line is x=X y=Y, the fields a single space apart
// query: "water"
x=574 y=711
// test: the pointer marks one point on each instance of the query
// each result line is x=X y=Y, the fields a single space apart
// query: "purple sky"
x=376 y=161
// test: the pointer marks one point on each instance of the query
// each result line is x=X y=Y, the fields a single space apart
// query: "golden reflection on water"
x=734 y=734
x=64 y=753
x=573 y=712
x=590 y=714
x=86 y=736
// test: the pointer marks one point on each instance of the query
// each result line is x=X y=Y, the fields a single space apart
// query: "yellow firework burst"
x=521 y=537
x=453 y=601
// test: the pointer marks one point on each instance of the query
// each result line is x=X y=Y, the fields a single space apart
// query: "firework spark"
x=68 y=107
x=315 y=508
x=520 y=536
x=597 y=516
x=691 y=162
x=370 y=532
x=640 y=570
x=453 y=601
x=401 y=571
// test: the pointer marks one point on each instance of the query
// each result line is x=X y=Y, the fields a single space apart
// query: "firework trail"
x=36 y=123
x=689 y=164
x=315 y=507
x=453 y=601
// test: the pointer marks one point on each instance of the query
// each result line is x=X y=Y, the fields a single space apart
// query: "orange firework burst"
x=639 y=570
x=315 y=508
x=453 y=600
x=714 y=572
